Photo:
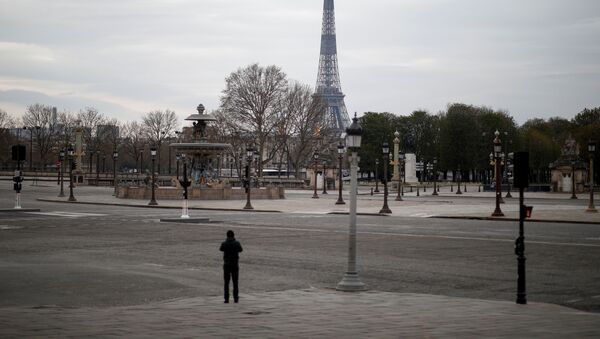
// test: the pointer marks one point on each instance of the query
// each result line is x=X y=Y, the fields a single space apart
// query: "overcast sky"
x=533 y=58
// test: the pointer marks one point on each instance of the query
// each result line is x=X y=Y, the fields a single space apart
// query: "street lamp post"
x=316 y=158
x=376 y=175
x=591 y=150
x=401 y=157
x=573 y=196
x=98 y=168
x=153 y=154
x=497 y=161
x=70 y=153
x=341 y=151
x=324 y=177
x=434 y=177
x=185 y=183
x=177 y=158
x=31 y=144
x=249 y=154
x=141 y=161
x=115 y=157
x=459 y=175
x=386 y=154
x=61 y=156
x=256 y=168
x=351 y=280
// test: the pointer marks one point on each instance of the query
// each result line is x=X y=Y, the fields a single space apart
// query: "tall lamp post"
x=401 y=157
x=249 y=154
x=351 y=280
x=115 y=157
x=573 y=196
x=185 y=183
x=497 y=161
x=376 y=175
x=435 y=177
x=316 y=158
x=61 y=156
x=341 y=151
x=153 y=154
x=70 y=153
x=98 y=168
x=591 y=150
x=386 y=154
x=324 y=177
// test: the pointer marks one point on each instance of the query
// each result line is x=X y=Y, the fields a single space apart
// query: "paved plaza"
x=281 y=307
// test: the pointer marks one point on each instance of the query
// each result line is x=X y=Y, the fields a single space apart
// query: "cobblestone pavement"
x=307 y=314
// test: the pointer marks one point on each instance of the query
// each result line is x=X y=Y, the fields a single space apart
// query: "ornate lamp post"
x=386 y=154
x=316 y=158
x=141 y=161
x=591 y=150
x=497 y=161
x=573 y=196
x=153 y=154
x=177 y=158
x=351 y=280
x=185 y=183
x=459 y=175
x=115 y=156
x=434 y=177
x=376 y=176
x=61 y=156
x=401 y=157
x=249 y=154
x=324 y=177
x=98 y=168
x=70 y=153
x=341 y=151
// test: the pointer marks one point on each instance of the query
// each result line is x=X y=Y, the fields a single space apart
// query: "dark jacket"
x=231 y=248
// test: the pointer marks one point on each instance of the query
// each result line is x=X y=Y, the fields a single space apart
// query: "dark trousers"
x=231 y=271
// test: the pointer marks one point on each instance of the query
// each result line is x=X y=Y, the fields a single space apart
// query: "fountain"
x=202 y=158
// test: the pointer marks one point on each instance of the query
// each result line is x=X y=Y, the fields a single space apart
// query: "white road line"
x=67 y=214
x=407 y=235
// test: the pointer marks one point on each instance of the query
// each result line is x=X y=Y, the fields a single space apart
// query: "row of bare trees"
x=50 y=131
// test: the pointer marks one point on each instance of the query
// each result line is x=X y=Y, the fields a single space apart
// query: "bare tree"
x=6 y=123
x=159 y=126
x=67 y=122
x=42 y=125
x=227 y=130
x=90 y=119
x=252 y=98
x=304 y=118
x=133 y=139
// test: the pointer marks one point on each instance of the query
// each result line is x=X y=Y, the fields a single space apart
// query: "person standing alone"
x=231 y=249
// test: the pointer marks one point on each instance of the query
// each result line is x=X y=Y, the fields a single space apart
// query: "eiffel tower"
x=328 y=79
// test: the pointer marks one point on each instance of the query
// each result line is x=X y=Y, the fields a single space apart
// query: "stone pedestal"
x=411 y=168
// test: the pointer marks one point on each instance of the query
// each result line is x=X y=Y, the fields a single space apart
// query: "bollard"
x=465 y=188
x=451 y=188
x=411 y=189
x=371 y=190
x=478 y=188
x=417 y=191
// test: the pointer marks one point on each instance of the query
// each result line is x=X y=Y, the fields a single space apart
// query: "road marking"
x=7 y=227
x=422 y=215
x=408 y=235
x=67 y=214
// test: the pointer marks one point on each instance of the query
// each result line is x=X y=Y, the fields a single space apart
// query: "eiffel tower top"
x=328 y=78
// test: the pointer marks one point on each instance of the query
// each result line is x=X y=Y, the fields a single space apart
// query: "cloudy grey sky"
x=534 y=58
